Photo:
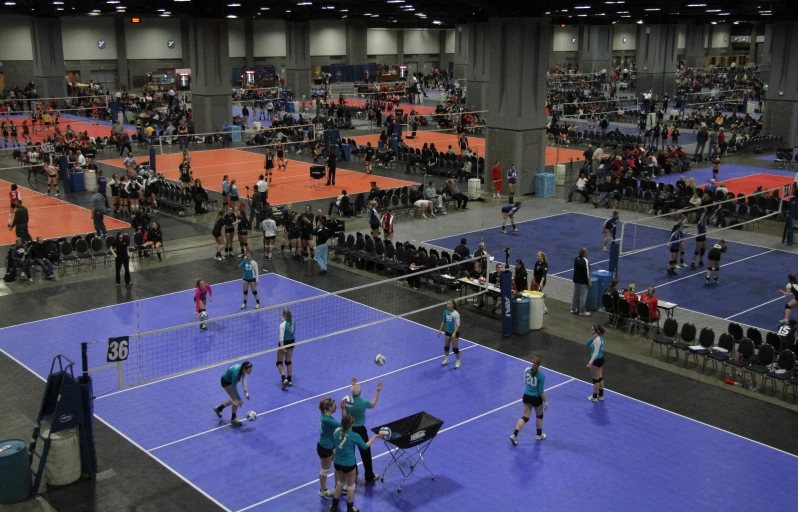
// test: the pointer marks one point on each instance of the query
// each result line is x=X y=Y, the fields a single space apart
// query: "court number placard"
x=118 y=349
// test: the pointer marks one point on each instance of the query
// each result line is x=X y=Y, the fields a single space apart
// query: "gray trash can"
x=521 y=313
x=15 y=475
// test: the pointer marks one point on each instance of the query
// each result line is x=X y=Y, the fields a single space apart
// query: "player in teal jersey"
x=596 y=345
x=451 y=324
x=286 y=350
x=251 y=278
x=230 y=378
x=326 y=445
x=534 y=397
x=344 y=460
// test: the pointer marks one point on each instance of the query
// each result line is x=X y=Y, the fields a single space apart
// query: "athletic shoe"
x=515 y=230
x=236 y=422
x=781 y=322
x=700 y=263
x=446 y=359
x=376 y=477
x=584 y=313
x=541 y=437
x=423 y=216
x=514 y=439
x=457 y=365
x=217 y=411
x=326 y=494
x=203 y=327
x=244 y=306
x=693 y=267
x=593 y=399
x=285 y=385
x=601 y=398
x=683 y=265
x=573 y=311
x=605 y=250
x=504 y=232
x=257 y=306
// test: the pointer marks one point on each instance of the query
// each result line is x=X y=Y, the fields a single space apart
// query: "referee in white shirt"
x=262 y=189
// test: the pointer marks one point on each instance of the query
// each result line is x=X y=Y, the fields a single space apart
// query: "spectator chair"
x=745 y=352
x=686 y=340
x=706 y=338
x=760 y=366
x=669 y=331
x=721 y=353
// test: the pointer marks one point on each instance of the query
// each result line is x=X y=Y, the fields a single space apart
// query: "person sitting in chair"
x=650 y=300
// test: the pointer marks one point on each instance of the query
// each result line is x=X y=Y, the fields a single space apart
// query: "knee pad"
x=695 y=253
x=717 y=269
x=324 y=472
x=596 y=381
x=681 y=253
x=352 y=487
x=456 y=350
x=246 y=292
x=288 y=363
x=540 y=416
x=787 y=306
x=446 y=347
x=255 y=293
x=525 y=419
x=279 y=364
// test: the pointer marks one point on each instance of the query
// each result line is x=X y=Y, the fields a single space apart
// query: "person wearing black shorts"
x=307 y=223
x=286 y=348
x=534 y=398
x=331 y=165
x=185 y=173
x=281 y=157
x=792 y=289
x=268 y=165
x=713 y=259
x=345 y=440
x=243 y=232
x=596 y=346
x=368 y=156
x=123 y=197
x=230 y=221
x=326 y=445
x=294 y=230
x=674 y=248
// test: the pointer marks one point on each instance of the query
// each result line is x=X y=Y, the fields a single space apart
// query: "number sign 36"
x=118 y=349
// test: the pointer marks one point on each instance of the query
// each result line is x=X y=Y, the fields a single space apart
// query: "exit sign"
x=135 y=20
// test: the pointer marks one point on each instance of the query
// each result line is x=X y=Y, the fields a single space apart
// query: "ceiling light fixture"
x=232 y=16
x=265 y=8
x=653 y=9
x=582 y=7
x=583 y=15
x=436 y=22
x=58 y=3
x=696 y=5
x=396 y=1
x=10 y=3
x=714 y=22
x=639 y=22
x=112 y=1
x=723 y=14
x=713 y=10
x=233 y=5
x=305 y=3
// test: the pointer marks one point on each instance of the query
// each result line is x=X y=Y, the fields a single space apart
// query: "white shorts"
x=421 y=202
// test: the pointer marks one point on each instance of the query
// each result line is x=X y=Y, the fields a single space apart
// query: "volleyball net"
x=258 y=139
x=743 y=212
x=145 y=357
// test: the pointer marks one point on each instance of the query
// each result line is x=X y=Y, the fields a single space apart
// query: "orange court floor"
x=423 y=110
x=443 y=140
x=78 y=126
x=292 y=185
x=50 y=217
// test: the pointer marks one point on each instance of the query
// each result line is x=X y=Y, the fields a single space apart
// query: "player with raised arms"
x=509 y=211
x=451 y=323
x=286 y=350
x=202 y=293
x=230 y=379
x=534 y=397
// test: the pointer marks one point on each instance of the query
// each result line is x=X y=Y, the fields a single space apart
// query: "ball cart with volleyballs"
x=409 y=439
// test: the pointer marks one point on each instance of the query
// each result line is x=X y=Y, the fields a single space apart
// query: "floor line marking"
x=316 y=480
x=304 y=399
x=701 y=273
x=429 y=242
x=753 y=308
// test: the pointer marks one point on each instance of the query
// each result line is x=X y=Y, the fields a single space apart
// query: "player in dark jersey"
x=610 y=228
x=185 y=173
x=281 y=161
x=700 y=240
x=509 y=211
x=673 y=247
x=792 y=292
x=268 y=165
x=218 y=229
x=243 y=232
x=713 y=259
x=681 y=221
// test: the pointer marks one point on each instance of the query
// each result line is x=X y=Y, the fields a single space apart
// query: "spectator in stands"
x=38 y=255
x=650 y=300
x=581 y=281
x=462 y=250
x=431 y=194
x=713 y=142
x=701 y=137
x=154 y=239
x=20 y=222
x=606 y=193
x=631 y=297
x=453 y=191
x=417 y=198
x=19 y=257
x=417 y=264
x=581 y=187
x=612 y=291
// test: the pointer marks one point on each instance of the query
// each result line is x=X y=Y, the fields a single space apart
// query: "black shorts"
x=323 y=452
x=134 y=195
x=123 y=195
x=701 y=238
x=250 y=280
x=674 y=251
x=287 y=343
x=243 y=232
x=534 y=401
x=344 y=469
x=225 y=383
x=185 y=178
x=450 y=335
x=598 y=363
x=714 y=255
x=374 y=227
x=269 y=237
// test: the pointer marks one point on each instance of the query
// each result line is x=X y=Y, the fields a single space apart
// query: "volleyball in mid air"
x=379 y=360
x=348 y=401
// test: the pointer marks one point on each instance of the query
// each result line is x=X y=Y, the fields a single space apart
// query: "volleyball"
x=385 y=431
x=348 y=401
x=203 y=315
x=379 y=360
x=252 y=415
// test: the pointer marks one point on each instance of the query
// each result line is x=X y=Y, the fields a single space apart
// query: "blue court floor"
x=617 y=455
x=727 y=172
x=750 y=276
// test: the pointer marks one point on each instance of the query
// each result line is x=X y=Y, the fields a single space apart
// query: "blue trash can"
x=521 y=313
x=347 y=149
x=235 y=135
x=289 y=107
x=15 y=472
x=77 y=181
x=592 y=295
x=604 y=277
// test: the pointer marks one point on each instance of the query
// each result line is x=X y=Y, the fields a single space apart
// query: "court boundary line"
x=469 y=420
x=621 y=394
x=755 y=307
x=276 y=409
x=119 y=304
x=126 y=438
x=429 y=242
